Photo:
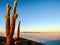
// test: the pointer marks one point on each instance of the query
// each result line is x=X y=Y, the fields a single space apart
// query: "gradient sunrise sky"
x=35 y=15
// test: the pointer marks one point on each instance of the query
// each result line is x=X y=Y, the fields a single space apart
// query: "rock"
x=2 y=39
x=20 y=41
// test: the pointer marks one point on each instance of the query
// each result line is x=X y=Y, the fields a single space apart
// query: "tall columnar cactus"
x=14 y=17
x=18 y=31
x=10 y=27
x=7 y=16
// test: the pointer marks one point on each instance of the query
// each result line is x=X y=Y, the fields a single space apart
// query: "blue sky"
x=35 y=15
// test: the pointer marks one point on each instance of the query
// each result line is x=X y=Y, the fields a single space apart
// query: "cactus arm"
x=18 y=30
x=14 y=9
x=7 y=16
x=14 y=17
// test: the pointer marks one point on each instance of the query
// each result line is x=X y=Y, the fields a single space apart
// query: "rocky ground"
x=21 y=41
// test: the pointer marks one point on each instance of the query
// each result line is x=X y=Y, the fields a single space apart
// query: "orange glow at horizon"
x=34 y=30
x=40 y=30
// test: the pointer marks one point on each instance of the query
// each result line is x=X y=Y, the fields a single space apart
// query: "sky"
x=35 y=15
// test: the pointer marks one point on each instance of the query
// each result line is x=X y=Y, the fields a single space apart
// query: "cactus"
x=18 y=31
x=7 y=16
x=14 y=17
x=10 y=27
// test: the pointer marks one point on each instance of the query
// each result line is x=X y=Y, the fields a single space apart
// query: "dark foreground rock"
x=20 y=41
x=2 y=39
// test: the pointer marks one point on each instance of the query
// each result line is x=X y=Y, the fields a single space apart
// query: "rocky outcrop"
x=21 y=41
